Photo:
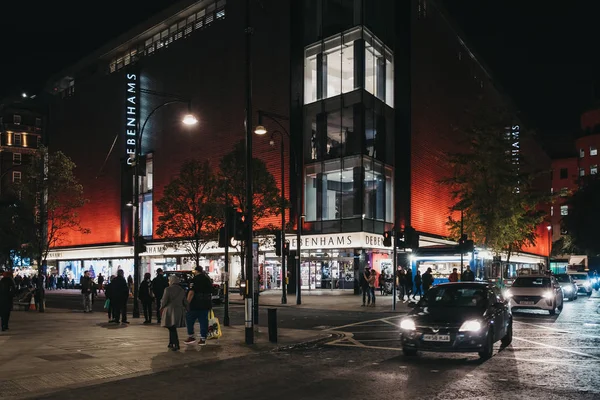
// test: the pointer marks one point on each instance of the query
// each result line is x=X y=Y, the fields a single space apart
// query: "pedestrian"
x=372 y=280
x=408 y=283
x=130 y=284
x=119 y=294
x=427 y=280
x=417 y=285
x=86 y=291
x=107 y=294
x=146 y=297
x=199 y=298
x=401 y=283
x=381 y=282
x=364 y=285
x=173 y=310
x=159 y=284
x=453 y=276
x=468 y=275
x=100 y=283
x=7 y=292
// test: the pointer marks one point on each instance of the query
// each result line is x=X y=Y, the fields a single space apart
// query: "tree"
x=583 y=219
x=17 y=229
x=493 y=185
x=52 y=193
x=189 y=209
x=267 y=198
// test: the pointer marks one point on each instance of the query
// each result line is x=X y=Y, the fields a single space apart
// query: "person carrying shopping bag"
x=173 y=308
x=200 y=300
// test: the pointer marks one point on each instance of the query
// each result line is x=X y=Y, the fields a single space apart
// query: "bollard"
x=272 y=319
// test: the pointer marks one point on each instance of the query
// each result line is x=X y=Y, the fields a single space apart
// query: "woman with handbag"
x=173 y=308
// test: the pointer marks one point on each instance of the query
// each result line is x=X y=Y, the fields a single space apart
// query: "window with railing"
x=183 y=28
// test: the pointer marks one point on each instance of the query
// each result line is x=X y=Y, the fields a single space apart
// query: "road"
x=550 y=358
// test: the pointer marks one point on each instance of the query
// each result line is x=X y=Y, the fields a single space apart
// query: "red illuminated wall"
x=208 y=67
x=446 y=83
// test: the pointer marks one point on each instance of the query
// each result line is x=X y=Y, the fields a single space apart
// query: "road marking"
x=578 y=362
x=363 y=322
x=364 y=346
x=435 y=370
x=388 y=322
x=561 y=330
x=557 y=348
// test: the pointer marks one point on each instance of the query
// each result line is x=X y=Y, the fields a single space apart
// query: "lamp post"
x=549 y=227
x=261 y=130
x=188 y=119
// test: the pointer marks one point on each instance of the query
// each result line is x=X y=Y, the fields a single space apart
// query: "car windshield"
x=582 y=277
x=563 y=278
x=455 y=296
x=531 y=282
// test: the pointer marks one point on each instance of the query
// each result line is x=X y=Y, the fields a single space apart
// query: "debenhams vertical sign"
x=132 y=96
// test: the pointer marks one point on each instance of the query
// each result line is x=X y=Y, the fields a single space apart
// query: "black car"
x=458 y=317
x=185 y=279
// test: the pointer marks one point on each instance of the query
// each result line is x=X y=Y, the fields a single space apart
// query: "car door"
x=496 y=309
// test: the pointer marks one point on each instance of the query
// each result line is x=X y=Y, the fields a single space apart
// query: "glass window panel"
x=310 y=192
x=389 y=195
x=593 y=151
x=332 y=61
x=335 y=131
x=593 y=169
x=310 y=75
x=389 y=79
x=350 y=197
x=333 y=197
x=147 y=215
x=347 y=67
x=181 y=24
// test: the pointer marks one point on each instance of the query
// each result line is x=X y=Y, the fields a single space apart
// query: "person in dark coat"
x=417 y=285
x=119 y=294
x=159 y=284
x=7 y=292
x=408 y=283
x=468 y=275
x=107 y=293
x=401 y=284
x=200 y=302
x=86 y=291
x=427 y=280
x=364 y=285
x=146 y=296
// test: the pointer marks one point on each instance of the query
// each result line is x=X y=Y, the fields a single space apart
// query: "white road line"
x=388 y=322
x=354 y=324
x=364 y=346
x=557 y=348
x=549 y=361
x=560 y=330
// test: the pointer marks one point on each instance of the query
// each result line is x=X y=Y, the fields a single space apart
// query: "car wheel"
x=488 y=350
x=574 y=297
x=553 y=311
x=507 y=339
x=562 y=303
x=409 y=352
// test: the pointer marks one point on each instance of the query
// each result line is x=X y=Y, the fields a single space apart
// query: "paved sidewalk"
x=336 y=300
x=56 y=350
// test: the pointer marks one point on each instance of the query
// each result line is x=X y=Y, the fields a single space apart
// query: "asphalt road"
x=550 y=358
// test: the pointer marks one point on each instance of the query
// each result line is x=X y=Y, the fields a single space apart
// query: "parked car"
x=540 y=292
x=458 y=317
x=185 y=279
x=567 y=285
x=583 y=282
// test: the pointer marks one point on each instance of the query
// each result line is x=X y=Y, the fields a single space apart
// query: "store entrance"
x=327 y=273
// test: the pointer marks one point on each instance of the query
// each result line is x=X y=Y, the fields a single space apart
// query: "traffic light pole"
x=248 y=315
x=395 y=266
x=461 y=248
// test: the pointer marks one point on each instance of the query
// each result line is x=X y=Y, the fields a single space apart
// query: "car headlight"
x=548 y=295
x=567 y=288
x=408 y=324
x=508 y=294
x=470 y=326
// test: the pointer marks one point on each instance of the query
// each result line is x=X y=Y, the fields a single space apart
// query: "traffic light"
x=286 y=248
x=278 y=243
x=239 y=226
x=387 y=238
x=141 y=245
x=465 y=245
x=400 y=240
x=411 y=238
x=223 y=238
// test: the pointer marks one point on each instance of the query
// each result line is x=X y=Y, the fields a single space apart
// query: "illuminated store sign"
x=131 y=117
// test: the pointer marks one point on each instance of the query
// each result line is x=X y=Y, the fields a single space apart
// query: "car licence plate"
x=436 y=338
x=526 y=303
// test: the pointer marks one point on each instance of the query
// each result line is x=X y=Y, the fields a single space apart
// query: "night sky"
x=544 y=54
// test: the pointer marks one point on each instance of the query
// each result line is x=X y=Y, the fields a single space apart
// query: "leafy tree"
x=51 y=192
x=16 y=229
x=189 y=208
x=267 y=196
x=581 y=224
x=493 y=185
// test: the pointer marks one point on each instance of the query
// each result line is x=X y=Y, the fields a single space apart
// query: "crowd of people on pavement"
x=405 y=284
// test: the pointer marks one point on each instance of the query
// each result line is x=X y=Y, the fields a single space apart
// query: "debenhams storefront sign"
x=356 y=240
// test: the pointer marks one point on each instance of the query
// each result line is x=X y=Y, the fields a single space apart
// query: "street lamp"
x=189 y=119
x=261 y=130
x=549 y=227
